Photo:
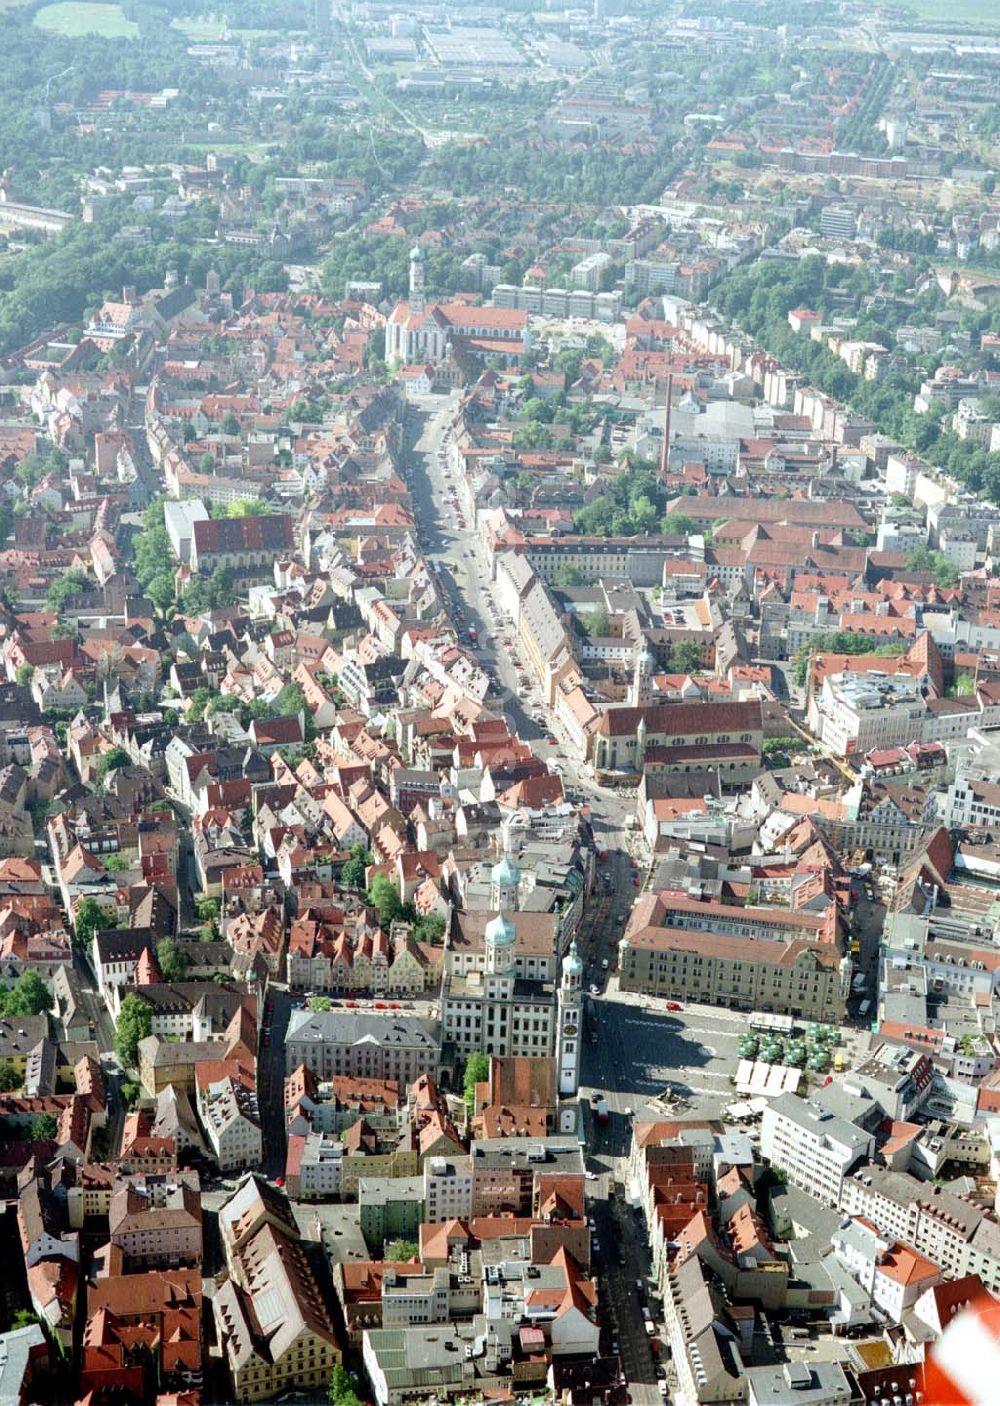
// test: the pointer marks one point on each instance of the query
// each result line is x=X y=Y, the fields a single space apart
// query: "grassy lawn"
x=946 y=12
x=76 y=17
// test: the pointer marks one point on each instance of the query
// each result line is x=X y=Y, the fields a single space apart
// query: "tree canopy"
x=477 y=1071
x=90 y=918
x=353 y=872
x=135 y=1022
x=172 y=959
x=384 y=898
x=631 y=506
x=44 y=1127
x=341 y=1392
x=28 y=996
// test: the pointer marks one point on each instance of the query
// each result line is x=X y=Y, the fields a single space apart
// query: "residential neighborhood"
x=500 y=705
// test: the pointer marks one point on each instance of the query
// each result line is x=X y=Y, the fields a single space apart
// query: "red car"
x=267 y=1039
x=673 y=1006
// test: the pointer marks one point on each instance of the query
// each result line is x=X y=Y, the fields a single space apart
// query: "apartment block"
x=813 y=1147
x=447 y=1188
x=156 y=1221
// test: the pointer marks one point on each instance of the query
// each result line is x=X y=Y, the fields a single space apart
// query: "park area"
x=75 y=18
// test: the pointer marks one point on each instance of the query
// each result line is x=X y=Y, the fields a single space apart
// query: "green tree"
x=24 y=1318
x=110 y=761
x=172 y=960
x=568 y=575
x=399 y=1251
x=223 y=703
x=685 y=657
x=353 y=872
x=198 y=702
x=207 y=908
x=28 y=996
x=935 y=563
x=429 y=929
x=9 y=1077
x=642 y=512
x=135 y=1021
x=384 y=898
x=291 y=699
x=60 y=590
x=90 y=918
x=247 y=507
x=477 y=1071
x=229 y=425
x=342 y=1391
x=596 y=623
x=44 y=1127
x=24 y=673
x=677 y=525
x=161 y=590
x=151 y=550
x=538 y=410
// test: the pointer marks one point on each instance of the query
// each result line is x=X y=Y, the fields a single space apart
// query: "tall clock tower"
x=570 y=1014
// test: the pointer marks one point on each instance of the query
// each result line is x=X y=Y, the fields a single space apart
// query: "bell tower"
x=505 y=882
x=570 y=1013
x=418 y=295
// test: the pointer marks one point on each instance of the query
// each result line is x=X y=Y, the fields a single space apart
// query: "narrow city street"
x=447 y=534
x=104 y=1035
x=612 y=1066
x=271 y=1081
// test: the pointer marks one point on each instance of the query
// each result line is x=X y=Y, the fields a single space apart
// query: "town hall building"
x=502 y=999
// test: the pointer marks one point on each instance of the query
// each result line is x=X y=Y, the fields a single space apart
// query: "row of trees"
x=759 y=299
